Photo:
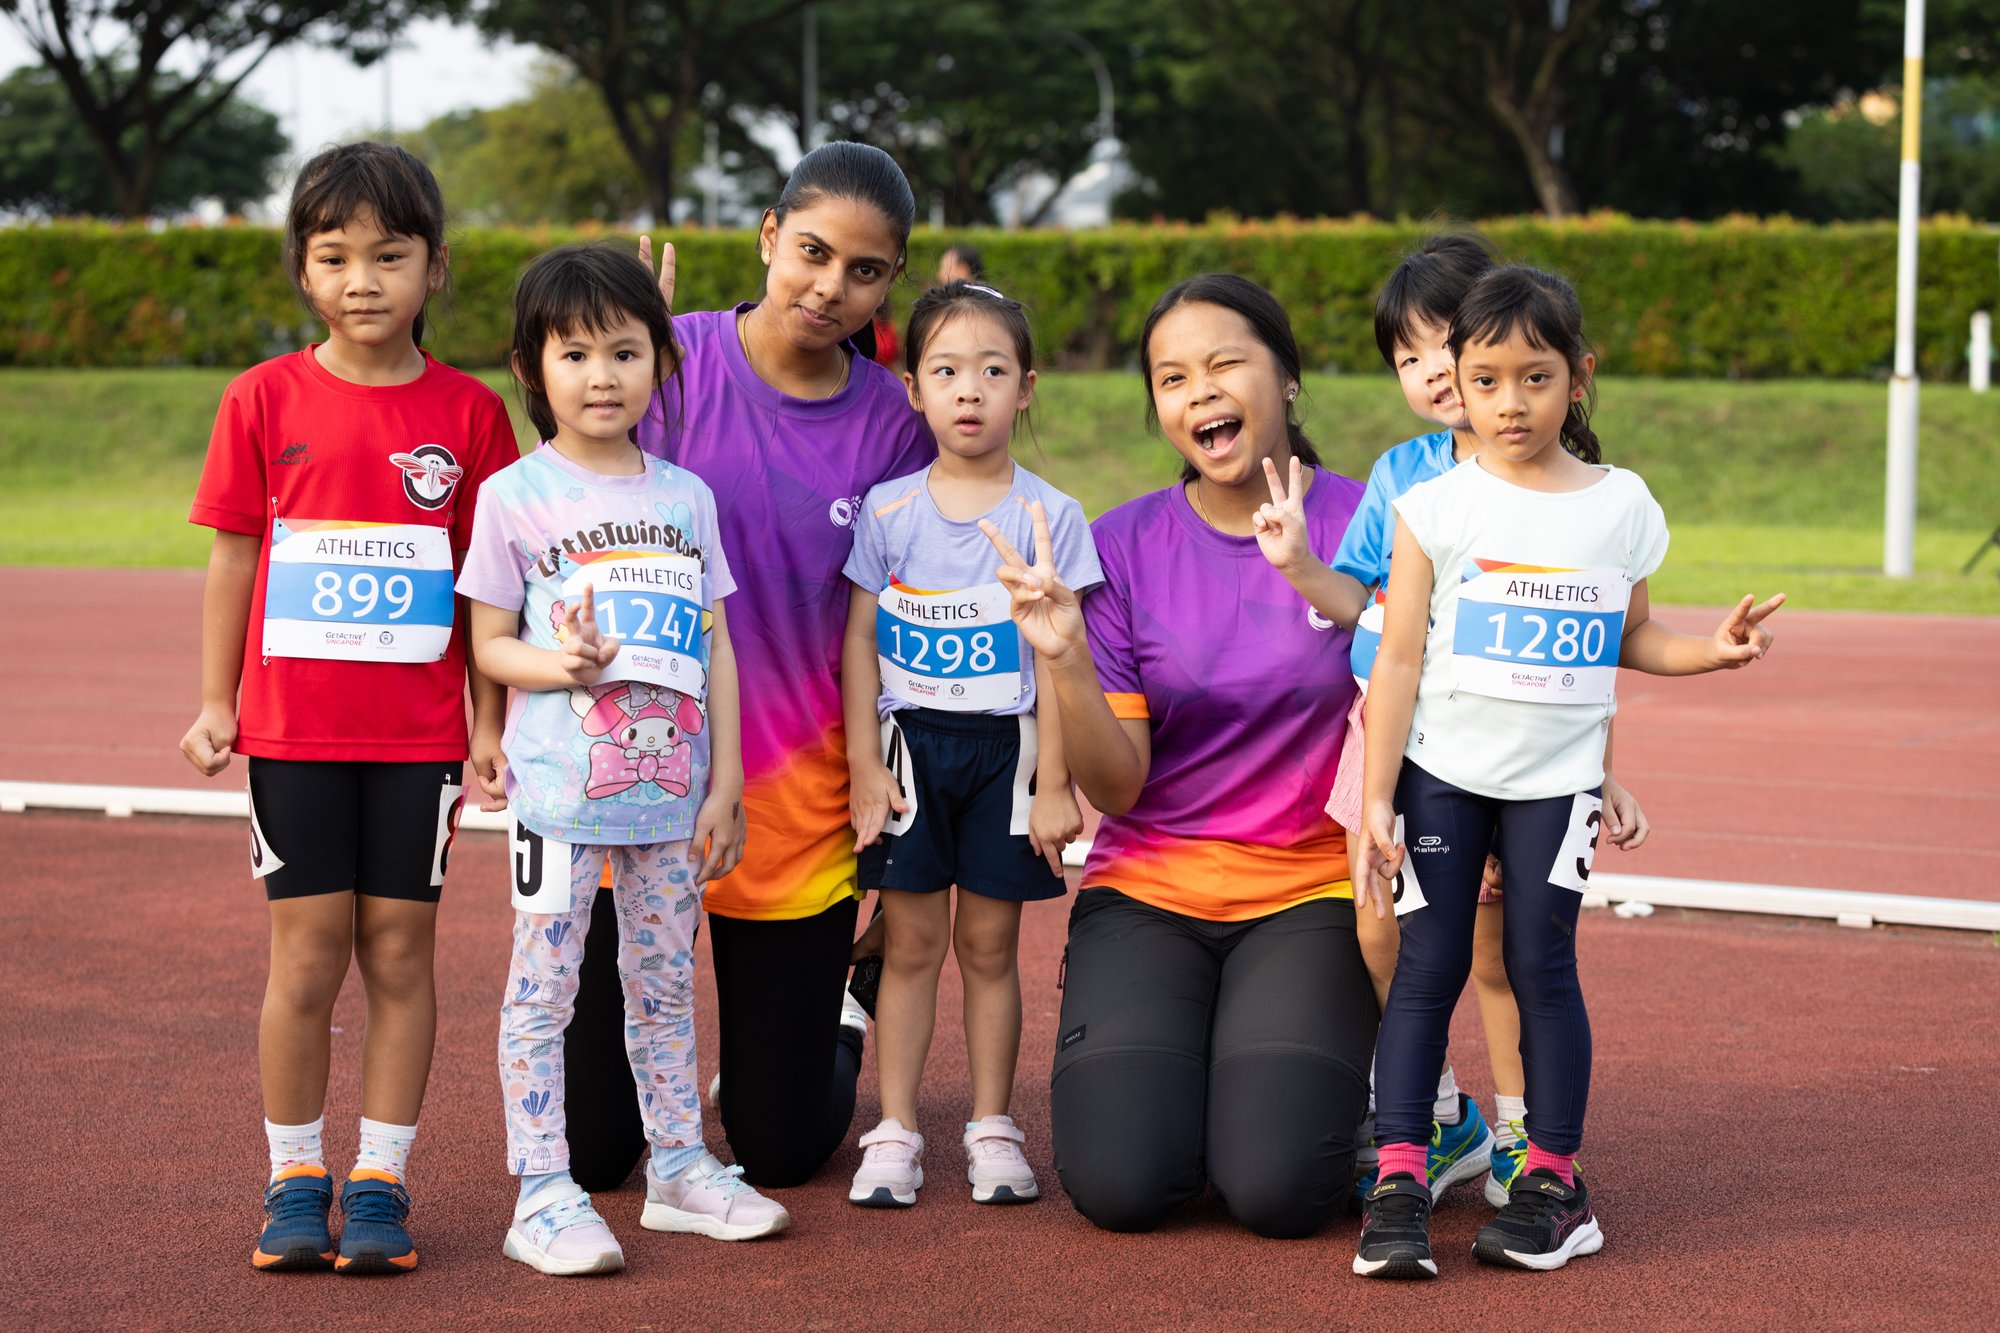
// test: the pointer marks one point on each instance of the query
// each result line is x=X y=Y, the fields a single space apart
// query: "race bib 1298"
x=358 y=592
x=958 y=651
x=656 y=606
x=1539 y=634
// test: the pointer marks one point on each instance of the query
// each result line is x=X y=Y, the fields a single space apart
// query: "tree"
x=47 y=167
x=552 y=156
x=112 y=59
x=659 y=64
x=1847 y=157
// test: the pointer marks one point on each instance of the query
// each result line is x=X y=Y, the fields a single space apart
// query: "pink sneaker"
x=892 y=1167
x=710 y=1199
x=993 y=1162
x=556 y=1231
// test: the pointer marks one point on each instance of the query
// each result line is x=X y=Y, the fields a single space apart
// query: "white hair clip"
x=990 y=291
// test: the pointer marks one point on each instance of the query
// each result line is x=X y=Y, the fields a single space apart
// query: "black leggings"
x=1446 y=831
x=1235 y=1052
x=788 y=1067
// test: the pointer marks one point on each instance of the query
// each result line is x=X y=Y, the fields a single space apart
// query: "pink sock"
x=1564 y=1167
x=1410 y=1157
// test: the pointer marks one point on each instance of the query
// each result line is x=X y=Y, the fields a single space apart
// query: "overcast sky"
x=323 y=98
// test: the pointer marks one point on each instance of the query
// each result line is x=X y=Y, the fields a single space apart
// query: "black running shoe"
x=866 y=982
x=1544 y=1225
x=1396 y=1230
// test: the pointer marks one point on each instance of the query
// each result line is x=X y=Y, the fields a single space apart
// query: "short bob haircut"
x=595 y=288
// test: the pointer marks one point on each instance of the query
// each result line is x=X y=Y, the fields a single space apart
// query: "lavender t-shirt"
x=904 y=537
x=789 y=474
x=1246 y=688
x=618 y=762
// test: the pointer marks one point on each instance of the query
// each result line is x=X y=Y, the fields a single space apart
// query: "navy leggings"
x=1447 y=831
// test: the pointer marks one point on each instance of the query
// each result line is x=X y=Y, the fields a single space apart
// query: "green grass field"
x=1768 y=486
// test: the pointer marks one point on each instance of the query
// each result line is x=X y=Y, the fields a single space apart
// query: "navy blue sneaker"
x=295 y=1238
x=1544 y=1225
x=373 y=1239
x=1462 y=1151
x=1396 y=1230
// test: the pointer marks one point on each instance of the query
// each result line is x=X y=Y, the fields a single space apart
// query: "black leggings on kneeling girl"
x=1232 y=1053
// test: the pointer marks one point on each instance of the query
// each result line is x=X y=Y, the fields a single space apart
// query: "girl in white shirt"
x=1517 y=590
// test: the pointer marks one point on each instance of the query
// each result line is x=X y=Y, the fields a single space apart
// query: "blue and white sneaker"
x=1460 y=1151
x=1507 y=1160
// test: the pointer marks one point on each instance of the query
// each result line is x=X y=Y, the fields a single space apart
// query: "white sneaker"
x=556 y=1231
x=994 y=1165
x=852 y=1015
x=715 y=1091
x=710 y=1199
x=892 y=1167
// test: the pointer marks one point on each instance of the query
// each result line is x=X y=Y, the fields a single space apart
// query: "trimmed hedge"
x=1738 y=298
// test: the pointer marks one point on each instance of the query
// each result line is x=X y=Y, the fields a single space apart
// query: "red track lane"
x=1787 y=1132
x=1860 y=756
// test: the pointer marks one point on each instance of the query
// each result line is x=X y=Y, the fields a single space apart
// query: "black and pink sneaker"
x=1544 y=1225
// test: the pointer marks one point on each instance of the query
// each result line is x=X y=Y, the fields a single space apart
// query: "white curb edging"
x=1847 y=908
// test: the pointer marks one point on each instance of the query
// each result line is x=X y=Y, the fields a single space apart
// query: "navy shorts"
x=333 y=827
x=974 y=776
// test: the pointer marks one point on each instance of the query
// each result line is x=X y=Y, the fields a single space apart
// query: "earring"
x=1291 y=393
x=765 y=255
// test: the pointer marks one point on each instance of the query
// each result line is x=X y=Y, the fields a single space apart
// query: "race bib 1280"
x=358 y=592
x=1540 y=634
x=656 y=606
x=958 y=651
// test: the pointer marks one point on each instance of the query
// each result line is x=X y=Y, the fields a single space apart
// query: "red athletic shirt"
x=294 y=443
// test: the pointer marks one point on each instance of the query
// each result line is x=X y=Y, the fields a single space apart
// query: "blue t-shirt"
x=1365 y=549
x=933 y=569
x=1371 y=537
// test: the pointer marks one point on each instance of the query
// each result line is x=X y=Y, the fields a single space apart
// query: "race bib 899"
x=358 y=592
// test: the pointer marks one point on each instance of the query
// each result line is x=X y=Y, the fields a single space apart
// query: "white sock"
x=296 y=1145
x=1508 y=1112
x=1445 y=1109
x=385 y=1148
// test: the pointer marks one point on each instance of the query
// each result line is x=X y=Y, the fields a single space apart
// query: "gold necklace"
x=1194 y=493
x=742 y=341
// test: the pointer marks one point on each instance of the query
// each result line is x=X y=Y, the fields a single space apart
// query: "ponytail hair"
x=1543 y=309
x=1268 y=323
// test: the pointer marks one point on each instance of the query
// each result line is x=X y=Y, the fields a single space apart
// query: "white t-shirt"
x=1527 y=617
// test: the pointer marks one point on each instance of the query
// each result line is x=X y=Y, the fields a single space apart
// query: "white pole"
x=1899 y=526
x=1982 y=351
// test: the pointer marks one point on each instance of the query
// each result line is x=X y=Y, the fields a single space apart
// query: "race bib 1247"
x=656 y=606
x=358 y=592
x=1539 y=634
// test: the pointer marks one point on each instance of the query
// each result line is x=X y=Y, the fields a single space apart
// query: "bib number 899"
x=358 y=594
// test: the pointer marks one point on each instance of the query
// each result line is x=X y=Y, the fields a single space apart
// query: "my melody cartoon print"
x=640 y=732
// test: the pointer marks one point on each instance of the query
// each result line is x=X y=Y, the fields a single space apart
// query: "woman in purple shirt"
x=1217 y=1020
x=790 y=425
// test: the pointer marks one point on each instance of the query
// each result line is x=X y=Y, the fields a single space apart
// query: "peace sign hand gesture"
x=585 y=652
x=1280 y=524
x=666 y=266
x=1050 y=617
x=1741 y=637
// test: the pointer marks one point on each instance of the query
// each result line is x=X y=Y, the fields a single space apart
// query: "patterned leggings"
x=659 y=909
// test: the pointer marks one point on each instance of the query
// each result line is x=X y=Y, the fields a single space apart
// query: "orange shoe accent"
x=302 y=1169
x=259 y=1259
x=358 y=1174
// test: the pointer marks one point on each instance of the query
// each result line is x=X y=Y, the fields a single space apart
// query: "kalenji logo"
x=844 y=511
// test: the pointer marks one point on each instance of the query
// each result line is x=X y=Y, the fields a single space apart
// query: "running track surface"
x=1785 y=1131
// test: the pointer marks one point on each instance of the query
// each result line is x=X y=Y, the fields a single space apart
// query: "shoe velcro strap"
x=1546 y=1186
x=1389 y=1187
